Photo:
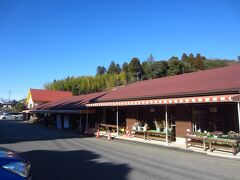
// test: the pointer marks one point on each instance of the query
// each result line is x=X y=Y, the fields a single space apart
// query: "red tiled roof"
x=42 y=95
x=71 y=103
x=214 y=81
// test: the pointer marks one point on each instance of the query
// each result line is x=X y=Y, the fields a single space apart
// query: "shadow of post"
x=73 y=165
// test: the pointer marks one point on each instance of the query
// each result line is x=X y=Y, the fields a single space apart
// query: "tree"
x=185 y=67
x=125 y=71
x=150 y=59
x=198 y=63
x=238 y=58
x=125 y=67
x=135 y=69
x=111 y=68
x=174 y=68
x=191 y=59
x=19 y=107
x=117 y=69
x=114 y=68
x=101 y=70
x=161 y=68
x=148 y=67
x=184 y=57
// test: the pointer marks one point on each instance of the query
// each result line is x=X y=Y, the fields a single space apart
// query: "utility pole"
x=9 y=94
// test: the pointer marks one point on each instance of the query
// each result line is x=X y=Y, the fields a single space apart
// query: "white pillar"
x=166 y=122
x=238 y=106
x=117 y=123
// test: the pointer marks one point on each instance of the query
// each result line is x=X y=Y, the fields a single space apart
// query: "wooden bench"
x=192 y=140
x=231 y=145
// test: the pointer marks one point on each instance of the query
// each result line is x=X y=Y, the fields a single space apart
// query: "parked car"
x=11 y=116
x=14 y=166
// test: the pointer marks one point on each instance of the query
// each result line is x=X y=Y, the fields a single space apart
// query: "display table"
x=161 y=136
x=213 y=143
x=153 y=135
x=193 y=140
x=139 y=133
x=231 y=145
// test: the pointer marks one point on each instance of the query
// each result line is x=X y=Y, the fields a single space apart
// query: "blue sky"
x=43 y=40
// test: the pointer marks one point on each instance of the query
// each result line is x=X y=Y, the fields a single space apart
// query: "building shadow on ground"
x=74 y=165
x=18 y=131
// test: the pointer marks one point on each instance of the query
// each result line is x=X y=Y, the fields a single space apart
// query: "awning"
x=184 y=100
x=84 y=111
x=56 y=111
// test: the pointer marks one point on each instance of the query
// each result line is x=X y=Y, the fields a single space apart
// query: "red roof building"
x=39 y=96
x=200 y=101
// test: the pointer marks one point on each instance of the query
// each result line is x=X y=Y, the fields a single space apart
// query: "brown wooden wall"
x=131 y=116
x=183 y=119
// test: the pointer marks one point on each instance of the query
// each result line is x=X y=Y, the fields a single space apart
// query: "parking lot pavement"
x=61 y=155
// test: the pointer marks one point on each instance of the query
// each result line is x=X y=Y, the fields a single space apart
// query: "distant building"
x=7 y=106
x=40 y=96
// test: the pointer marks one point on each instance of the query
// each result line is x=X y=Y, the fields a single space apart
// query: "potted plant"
x=140 y=124
x=135 y=126
x=158 y=125
x=217 y=134
x=145 y=126
x=164 y=126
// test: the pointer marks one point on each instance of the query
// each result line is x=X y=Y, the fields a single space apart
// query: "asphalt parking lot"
x=65 y=155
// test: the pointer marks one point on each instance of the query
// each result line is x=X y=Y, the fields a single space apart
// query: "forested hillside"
x=133 y=71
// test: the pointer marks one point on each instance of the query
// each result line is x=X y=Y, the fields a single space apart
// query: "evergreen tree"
x=135 y=69
x=150 y=59
x=117 y=69
x=198 y=63
x=125 y=71
x=184 y=57
x=111 y=68
x=125 y=67
x=174 y=66
x=161 y=68
x=191 y=59
x=148 y=67
x=101 y=70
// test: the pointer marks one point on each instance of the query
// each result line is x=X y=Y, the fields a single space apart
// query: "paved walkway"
x=177 y=145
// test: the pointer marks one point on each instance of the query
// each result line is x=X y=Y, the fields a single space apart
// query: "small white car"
x=11 y=116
